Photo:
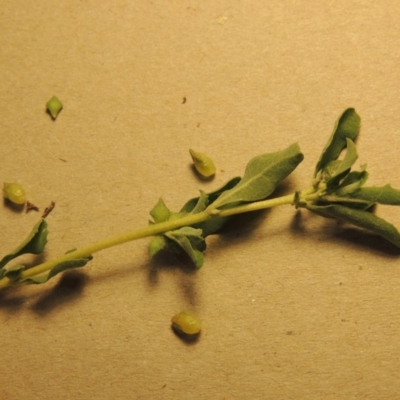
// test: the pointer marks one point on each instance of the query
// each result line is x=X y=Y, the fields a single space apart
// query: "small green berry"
x=203 y=164
x=187 y=323
x=15 y=193
x=54 y=106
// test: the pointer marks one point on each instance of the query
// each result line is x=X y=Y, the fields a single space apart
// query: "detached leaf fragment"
x=54 y=106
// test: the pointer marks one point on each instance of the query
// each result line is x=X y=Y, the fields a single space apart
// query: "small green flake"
x=54 y=106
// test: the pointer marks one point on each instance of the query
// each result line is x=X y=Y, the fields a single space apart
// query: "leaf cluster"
x=342 y=194
x=261 y=177
x=337 y=191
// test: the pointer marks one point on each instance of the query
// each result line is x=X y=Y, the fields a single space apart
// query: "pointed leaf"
x=13 y=273
x=353 y=181
x=201 y=204
x=160 y=212
x=341 y=167
x=61 y=267
x=33 y=244
x=347 y=127
x=262 y=176
x=190 y=205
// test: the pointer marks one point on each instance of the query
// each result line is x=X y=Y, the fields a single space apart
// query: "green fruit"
x=187 y=323
x=203 y=164
x=15 y=193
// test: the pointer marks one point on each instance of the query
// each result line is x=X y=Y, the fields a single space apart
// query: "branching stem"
x=156 y=229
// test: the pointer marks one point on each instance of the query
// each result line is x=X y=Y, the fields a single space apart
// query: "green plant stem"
x=156 y=229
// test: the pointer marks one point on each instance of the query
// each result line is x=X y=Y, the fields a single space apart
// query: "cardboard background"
x=293 y=306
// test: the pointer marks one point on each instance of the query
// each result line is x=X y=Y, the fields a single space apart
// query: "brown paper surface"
x=293 y=306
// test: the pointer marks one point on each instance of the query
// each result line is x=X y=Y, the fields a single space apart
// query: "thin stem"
x=162 y=227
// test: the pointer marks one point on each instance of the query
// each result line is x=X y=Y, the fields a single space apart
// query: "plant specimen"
x=336 y=191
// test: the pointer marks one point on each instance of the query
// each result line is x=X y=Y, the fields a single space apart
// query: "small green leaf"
x=336 y=170
x=33 y=244
x=212 y=225
x=262 y=176
x=160 y=212
x=201 y=204
x=347 y=127
x=13 y=273
x=156 y=244
x=192 y=204
x=61 y=267
x=191 y=241
x=361 y=218
x=353 y=181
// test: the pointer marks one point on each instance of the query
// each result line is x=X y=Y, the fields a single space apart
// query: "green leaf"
x=156 y=244
x=191 y=241
x=193 y=204
x=13 y=273
x=160 y=212
x=375 y=194
x=347 y=127
x=33 y=244
x=61 y=267
x=262 y=176
x=353 y=181
x=336 y=170
x=361 y=218
x=201 y=203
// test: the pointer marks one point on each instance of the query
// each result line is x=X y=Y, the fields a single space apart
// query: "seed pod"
x=54 y=106
x=15 y=193
x=203 y=164
x=187 y=323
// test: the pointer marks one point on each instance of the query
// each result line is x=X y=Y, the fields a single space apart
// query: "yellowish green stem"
x=156 y=229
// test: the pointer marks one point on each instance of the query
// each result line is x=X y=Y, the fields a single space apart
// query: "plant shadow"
x=346 y=234
x=187 y=339
x=69 y=287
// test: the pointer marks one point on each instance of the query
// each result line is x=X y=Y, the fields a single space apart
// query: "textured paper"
x=293 y=306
